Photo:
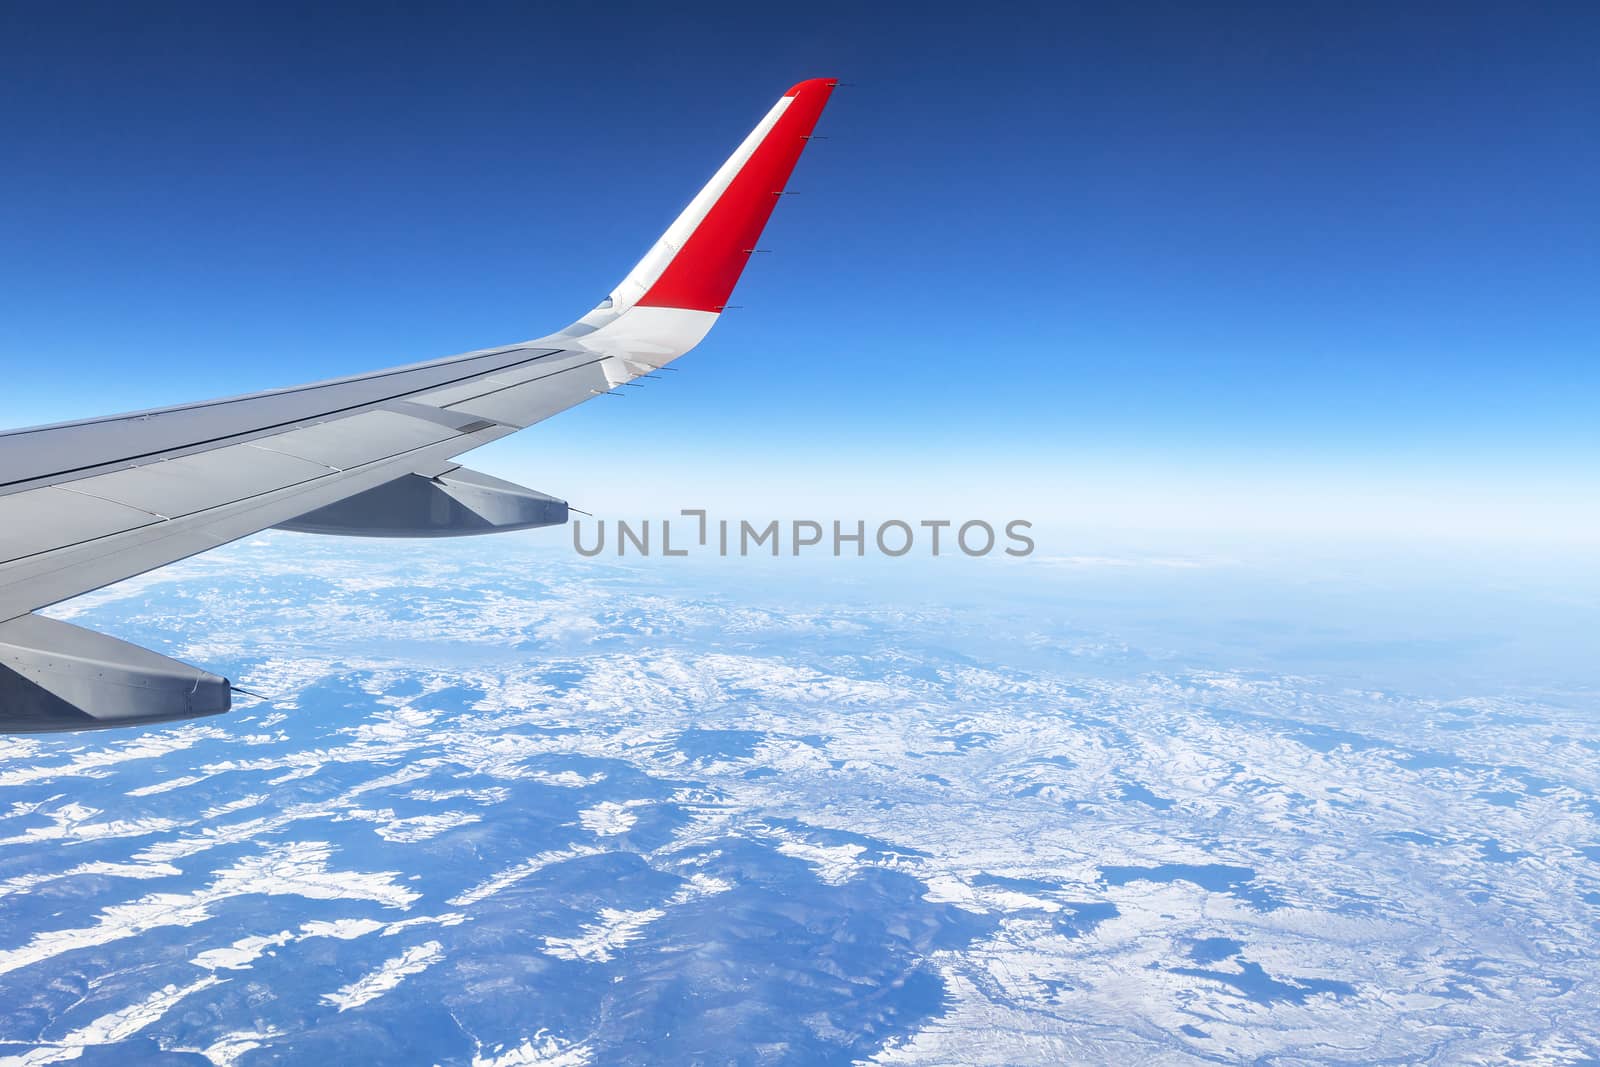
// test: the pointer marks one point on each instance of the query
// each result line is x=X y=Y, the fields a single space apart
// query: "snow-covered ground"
x=565 y=812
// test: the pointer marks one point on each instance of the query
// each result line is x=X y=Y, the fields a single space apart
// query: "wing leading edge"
x=85 y=504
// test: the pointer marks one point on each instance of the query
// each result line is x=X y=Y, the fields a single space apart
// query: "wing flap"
x=350 y=442
x=456 y=503
x=42 y=520
x=173 y=487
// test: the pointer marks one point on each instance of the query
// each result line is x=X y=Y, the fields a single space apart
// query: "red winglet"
x=702 y=275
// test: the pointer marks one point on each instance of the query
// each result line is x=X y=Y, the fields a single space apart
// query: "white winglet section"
x=647 y=339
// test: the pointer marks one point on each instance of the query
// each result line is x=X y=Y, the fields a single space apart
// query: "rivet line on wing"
x=291 y=455
x=109 y=500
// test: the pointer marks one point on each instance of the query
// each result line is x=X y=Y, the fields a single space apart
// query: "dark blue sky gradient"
x=1306 y=237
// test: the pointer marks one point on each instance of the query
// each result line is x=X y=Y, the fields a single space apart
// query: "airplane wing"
x=84 y=504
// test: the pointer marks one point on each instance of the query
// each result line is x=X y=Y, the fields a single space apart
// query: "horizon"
x=1090 y=269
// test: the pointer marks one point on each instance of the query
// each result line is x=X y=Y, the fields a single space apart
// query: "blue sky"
x=1320 y=270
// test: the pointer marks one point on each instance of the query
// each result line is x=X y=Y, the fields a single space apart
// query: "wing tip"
x=811 y=84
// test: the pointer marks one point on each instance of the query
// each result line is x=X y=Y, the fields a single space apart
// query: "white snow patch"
x=512 y=875
x=598 y=940
x=167 y=786
x=299 y=869
x=243 y=952
x=608 y=818
x=374 y=985
x=108 y=870
x=343 y=929
x=111 y=1028
x=541 y=1050
x=226 y=1050
x=565 y=779
x=422 y=827
x=835 y=864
